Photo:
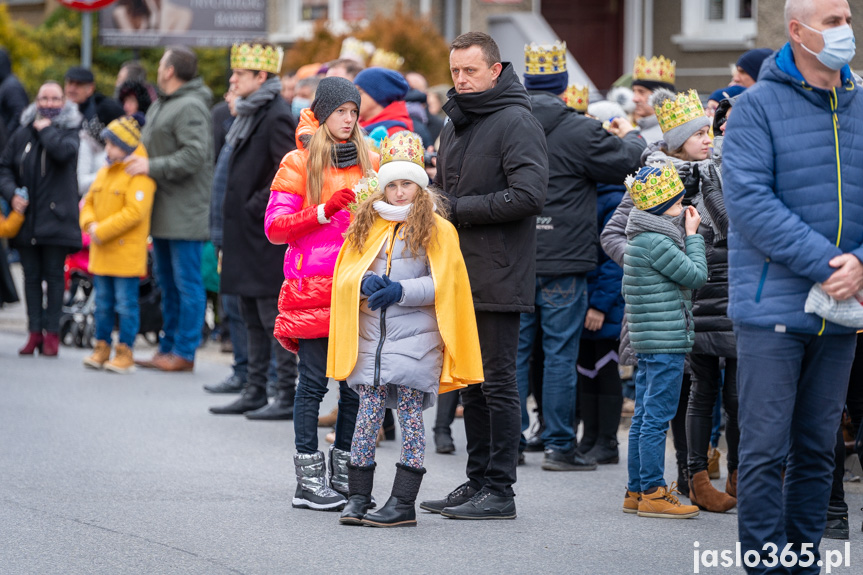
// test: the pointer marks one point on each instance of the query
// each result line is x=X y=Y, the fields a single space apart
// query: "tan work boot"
x=329 y=420
x=661 y=502
x=100 y=355
x=713 y=455
x=122 y=362
x=705 y=496
x=630 y=501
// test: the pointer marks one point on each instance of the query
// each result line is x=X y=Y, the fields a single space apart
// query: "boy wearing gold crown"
x=262 y=132
x=402 y=324
x=581 y=154
x=647 y=77
x=660 y=270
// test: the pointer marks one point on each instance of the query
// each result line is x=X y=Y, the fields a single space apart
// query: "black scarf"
x=344 y=155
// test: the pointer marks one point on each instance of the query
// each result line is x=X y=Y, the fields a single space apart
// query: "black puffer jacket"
x=714 y=331
x=46 y=163
x=493 y=159
x=13 y=98
x=580 y=155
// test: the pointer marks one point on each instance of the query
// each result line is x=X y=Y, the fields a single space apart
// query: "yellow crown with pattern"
x=402 y=146
x=653 y=185
x=386 y=59
x=539 y=60
x=257 y=57
x=657 y=69
x=676 y=111
x=356 y=49
x=577 y=97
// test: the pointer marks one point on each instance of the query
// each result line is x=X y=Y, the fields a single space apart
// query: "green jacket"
x=178 y=136
x=658 y=276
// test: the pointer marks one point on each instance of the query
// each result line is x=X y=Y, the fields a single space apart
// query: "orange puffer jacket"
x=313 y=245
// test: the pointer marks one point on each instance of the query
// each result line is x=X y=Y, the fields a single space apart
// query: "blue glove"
x=23 y=192
x=372 y=284
x=384 y=298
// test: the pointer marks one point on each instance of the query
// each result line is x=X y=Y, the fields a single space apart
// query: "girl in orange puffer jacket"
x=307 y=211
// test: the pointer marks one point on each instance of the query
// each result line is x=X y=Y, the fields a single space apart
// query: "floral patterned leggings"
x=370 y=417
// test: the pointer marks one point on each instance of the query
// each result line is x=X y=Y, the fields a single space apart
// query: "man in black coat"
x=262 y=133
x=581 y=153
x=493 y=170
x=13 y=98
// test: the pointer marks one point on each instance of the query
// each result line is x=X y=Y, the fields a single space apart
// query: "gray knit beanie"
x=677 y=136
x=332 y=92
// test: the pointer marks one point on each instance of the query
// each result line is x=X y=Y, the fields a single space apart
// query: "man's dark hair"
x=489 y=47
x=135 y=71
x=352 y=67
x=184 y=62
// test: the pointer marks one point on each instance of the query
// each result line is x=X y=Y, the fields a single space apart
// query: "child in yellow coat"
x=116 y=215
x=11 y=224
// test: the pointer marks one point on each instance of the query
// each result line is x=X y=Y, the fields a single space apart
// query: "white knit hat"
x=402 y=159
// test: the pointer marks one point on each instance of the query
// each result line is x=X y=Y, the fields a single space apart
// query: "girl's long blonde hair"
x=418 y=229
x=321 y=151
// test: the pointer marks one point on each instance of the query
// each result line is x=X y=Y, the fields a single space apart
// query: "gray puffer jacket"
x=402 y=344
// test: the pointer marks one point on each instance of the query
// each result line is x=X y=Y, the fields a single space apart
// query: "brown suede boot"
x=713 y=456
x=122 y=362
x=705 y=496
x=100 y=355
x=731 y=484
x=329 y=420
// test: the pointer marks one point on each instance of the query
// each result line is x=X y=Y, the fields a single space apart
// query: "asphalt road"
x=101 y=473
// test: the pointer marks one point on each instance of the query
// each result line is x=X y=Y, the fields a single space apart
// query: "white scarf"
x=390 y=212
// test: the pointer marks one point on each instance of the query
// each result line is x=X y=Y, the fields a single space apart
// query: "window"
x=717 y=25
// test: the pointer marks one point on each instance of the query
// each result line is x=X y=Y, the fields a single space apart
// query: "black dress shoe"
x=443 y=443
x=282 y=408
x=232 y=384
x=253 y=398
x=571 y=460
x=459 y=495
x=483 y=505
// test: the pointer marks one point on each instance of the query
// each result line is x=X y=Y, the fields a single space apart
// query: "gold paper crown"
x=256 y=57
x=654 y=185
x=684 y=107
x=539 y=60
x=386 y=59
x=356 y=50
x=577 y=97
x=402 y=146
x=657 y=69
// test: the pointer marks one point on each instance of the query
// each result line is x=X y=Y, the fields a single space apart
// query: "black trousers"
x=259 y=317
x=492 y=410
x=43 y=263
x=706 y=383
x=446 y=406
x=854 y=405
x=678 y=424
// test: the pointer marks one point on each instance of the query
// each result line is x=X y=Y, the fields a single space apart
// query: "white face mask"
x=839 y=46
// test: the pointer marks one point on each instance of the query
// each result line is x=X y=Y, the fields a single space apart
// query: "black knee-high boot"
x=400 y=509
x=360 y=483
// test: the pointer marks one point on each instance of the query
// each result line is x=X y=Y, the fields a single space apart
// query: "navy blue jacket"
x=793 y=186
x=603 y=283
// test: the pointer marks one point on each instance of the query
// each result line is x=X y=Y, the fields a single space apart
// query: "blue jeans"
x=561 y=304
x=311 y=388
x=120 y=296
x=658 y=379
x=178 y=272
x=791 y=391
x=239 y=336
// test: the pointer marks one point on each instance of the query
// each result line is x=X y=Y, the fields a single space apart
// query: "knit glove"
x=338 y=201
x=372 y=284
x=387 y=296
x=451 y=201
x=691 y=181
x=23 y=193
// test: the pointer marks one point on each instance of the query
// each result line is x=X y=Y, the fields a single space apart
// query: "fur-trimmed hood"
x=70 y=117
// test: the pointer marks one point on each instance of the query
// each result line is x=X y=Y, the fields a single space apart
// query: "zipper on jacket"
x=762 y=280
x=390 y=240
x=834 y=104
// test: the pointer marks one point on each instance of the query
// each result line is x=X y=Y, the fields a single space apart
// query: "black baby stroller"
x=78 y=323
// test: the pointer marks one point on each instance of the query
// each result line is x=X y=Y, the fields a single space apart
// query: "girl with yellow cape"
x=402 y=324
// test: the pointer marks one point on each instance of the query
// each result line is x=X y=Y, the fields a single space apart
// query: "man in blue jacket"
x=794 y=194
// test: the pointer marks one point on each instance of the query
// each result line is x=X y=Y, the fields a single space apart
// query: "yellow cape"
x=462 y=362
